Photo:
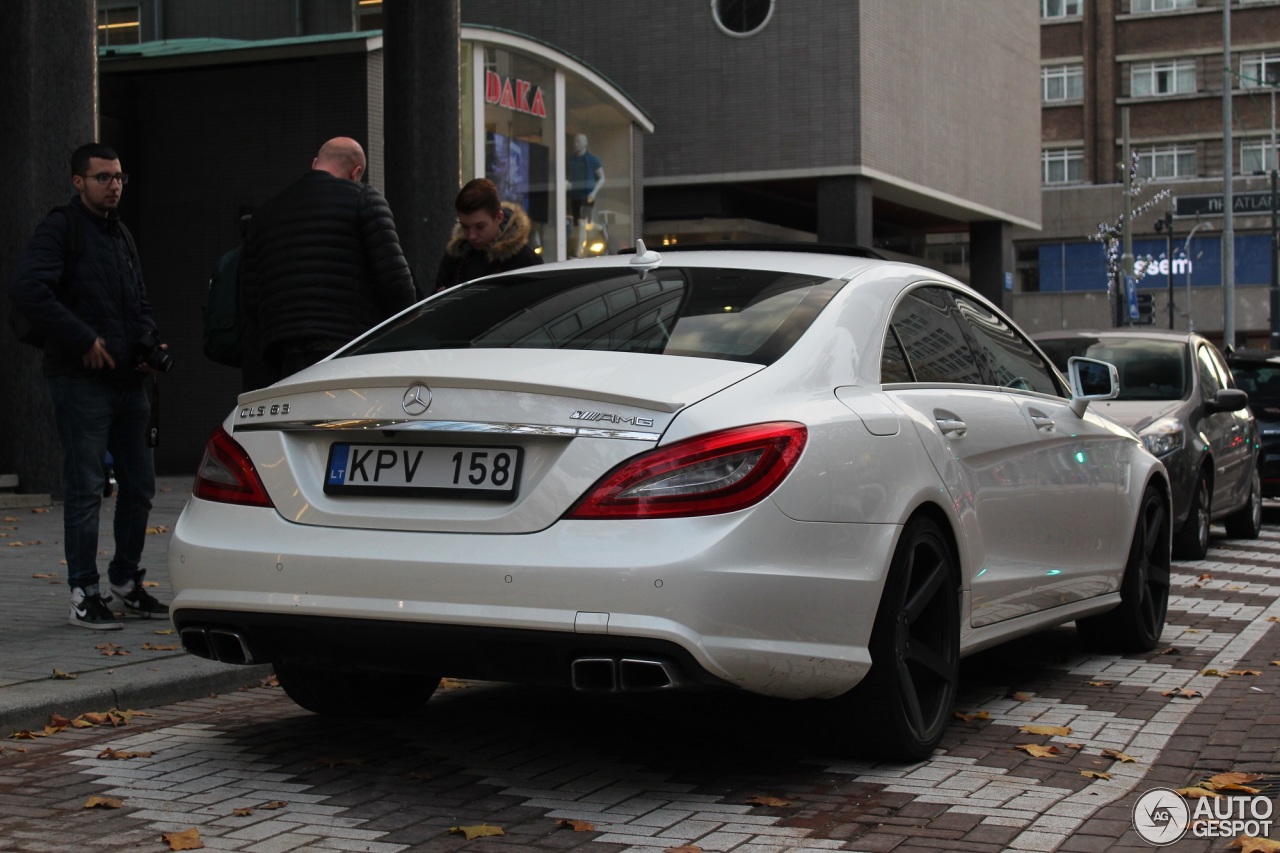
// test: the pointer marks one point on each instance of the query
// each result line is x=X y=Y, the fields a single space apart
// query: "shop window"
x=742 y=17
x=1062 y=165
x=119 y=25
x=368 y=15
x=598 y=178
x=1162 y=78
x=1060 y=8
x=1062 y=83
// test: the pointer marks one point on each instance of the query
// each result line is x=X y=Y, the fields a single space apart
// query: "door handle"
x=953 y=426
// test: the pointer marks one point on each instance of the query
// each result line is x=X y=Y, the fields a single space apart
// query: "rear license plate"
x=463 y=471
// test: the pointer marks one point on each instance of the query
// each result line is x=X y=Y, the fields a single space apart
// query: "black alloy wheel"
x=907 y=698
x=1192 y=540
x=1136 y=623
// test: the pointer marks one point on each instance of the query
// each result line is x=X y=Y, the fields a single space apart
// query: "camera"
x=150 y=354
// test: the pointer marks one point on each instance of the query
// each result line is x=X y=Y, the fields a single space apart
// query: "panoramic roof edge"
x=732 y=246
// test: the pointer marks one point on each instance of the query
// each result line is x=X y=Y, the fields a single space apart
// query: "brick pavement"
x=652 y=773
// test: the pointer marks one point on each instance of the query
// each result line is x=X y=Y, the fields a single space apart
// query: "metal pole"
x=1126 y=232
x=1228 y=202
x=1275 y=272
x=1168 y=253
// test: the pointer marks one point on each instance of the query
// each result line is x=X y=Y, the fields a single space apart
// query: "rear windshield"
x=1149 y=369
x=741 y=315
x=1261 y=379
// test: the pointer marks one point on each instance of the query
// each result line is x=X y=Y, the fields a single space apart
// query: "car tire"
x=1192 y=539
x=1136 y=623
x=345 y=693
x=905 y=702
x=1247 y=522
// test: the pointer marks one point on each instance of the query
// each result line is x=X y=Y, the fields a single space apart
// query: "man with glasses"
x=80 y=285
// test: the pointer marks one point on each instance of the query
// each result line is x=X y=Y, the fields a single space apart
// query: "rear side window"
x=740 y=315
x=1012 y=361
x=929 y=332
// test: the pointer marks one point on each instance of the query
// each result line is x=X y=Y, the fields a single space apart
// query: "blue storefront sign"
x=1083 y=266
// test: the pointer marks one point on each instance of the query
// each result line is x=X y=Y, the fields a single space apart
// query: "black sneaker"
x=88 y=610
x=108 y=482
x=132 y=597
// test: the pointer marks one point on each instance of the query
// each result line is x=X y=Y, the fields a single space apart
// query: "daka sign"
x=519 y=95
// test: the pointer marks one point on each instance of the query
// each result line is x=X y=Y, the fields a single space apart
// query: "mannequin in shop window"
x=586 y=177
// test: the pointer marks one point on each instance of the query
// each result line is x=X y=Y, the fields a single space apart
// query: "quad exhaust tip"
x=220 y=644
x=622 y=675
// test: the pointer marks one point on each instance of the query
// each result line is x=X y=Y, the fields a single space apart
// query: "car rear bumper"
x=753 y=599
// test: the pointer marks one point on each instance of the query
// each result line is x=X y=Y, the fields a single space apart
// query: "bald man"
x=321 y=264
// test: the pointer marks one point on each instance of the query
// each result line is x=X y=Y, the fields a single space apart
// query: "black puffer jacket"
x=508 y=251
x=322 y=263
x=107 y=298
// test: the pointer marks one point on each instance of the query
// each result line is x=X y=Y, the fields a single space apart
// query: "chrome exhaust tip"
x=594 y=675
x=643 y=675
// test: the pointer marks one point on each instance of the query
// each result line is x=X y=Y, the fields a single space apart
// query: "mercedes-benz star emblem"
x=416 y=400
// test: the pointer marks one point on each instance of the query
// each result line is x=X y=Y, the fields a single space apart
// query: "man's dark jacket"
x=107 y=298
x=322 y=264
x=508 y=251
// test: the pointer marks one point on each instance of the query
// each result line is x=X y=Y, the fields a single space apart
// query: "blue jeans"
x=95 y=416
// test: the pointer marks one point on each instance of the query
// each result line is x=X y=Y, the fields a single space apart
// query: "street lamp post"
x=1272 y=81
x=1166 y=225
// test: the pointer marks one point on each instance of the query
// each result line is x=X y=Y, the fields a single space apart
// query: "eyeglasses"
x=104 y=178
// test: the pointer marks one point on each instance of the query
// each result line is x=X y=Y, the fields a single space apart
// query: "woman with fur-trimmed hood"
x=491 y=236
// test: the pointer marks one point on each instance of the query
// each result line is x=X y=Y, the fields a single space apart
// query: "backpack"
x=222 y=323
x=72 y=250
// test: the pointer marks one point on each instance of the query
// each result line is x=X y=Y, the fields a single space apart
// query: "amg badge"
x=613 y=419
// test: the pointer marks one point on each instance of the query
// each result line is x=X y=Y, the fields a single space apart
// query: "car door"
x=975 y=435
x=1079 y=470
x=1229 y=434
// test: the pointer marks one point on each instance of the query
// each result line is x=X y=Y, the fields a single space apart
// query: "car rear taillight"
x=715 y=473
x=227 y=474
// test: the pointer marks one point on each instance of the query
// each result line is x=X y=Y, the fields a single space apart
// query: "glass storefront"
x=555 y=138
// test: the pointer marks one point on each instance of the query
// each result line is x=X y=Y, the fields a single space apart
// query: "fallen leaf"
x=473 y=832
x=188 y=839
x=1195 y=793
x=26 y=735
x=150 y=583
x=96 y=802
x=269 y=681
x=43 y=575
x=166 y=632
x=241 y=812
x=159 y=528
x=53 y=730
x=1099 y=683
x=969 y=718
x=1095 y=774
x=16 y=544
x=1249 y=844
x=1037 y=751
x=65 y=676
x=1275 y=663
x=1119 y=756
x=122 y=755
x=577 y=825
x=1073 y=745
x=1047 y=730
x=1172 y=650
x=274 y=804
x=152 y=647
x=56 y=719
x=1220 y=779
x=1183 y=692
x=768 y=801
x=332 y=762
x=1211 y=672
x=40 y=509
x=1244 y=672
x=452 y=684
x=1022 y=697
x=11 y=518
x=112 y=649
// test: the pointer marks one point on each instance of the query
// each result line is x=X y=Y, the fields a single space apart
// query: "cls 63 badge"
x=264 y=410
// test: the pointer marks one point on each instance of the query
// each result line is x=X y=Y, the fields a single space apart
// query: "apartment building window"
x=1150 y=79
x=1063 y=165
x=1062 y=82
x=1140 y=7
x=1259 y=69
x=368 y=15
x=119 y=25
x=1060 y=8
x=1171 y=161
x=1257 y=156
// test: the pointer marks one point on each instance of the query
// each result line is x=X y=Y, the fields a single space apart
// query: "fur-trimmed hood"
x=514 y=236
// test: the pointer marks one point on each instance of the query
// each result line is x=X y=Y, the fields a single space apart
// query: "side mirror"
x=1091 y=380
x=1228 y=400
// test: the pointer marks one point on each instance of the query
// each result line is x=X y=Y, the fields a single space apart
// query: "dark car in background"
x=1177 y=393
x=1257 y=372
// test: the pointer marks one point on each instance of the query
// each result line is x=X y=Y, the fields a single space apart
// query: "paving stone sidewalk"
x=36 y=640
